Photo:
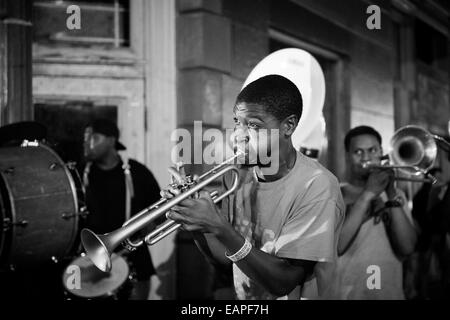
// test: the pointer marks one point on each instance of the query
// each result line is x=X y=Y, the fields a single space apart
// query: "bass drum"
x=39 y=206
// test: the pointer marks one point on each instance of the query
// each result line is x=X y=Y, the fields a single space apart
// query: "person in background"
x=116 y=189
x=378 y=231
x=431 y=209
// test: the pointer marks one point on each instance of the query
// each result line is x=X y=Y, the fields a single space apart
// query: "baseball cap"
x=107 y=128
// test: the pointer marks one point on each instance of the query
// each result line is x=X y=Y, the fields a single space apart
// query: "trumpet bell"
x=96 y=249
x=413 y=146
x=100 y=247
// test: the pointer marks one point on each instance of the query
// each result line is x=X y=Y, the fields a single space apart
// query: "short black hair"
x=277 y=94
x=358 y=131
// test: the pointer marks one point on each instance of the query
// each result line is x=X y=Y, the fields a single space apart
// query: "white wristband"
x=241 y=253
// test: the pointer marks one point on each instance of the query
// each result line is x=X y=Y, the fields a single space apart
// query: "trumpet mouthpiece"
x=366 y=165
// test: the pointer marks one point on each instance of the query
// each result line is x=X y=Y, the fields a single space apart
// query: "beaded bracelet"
x=241 y=253
x=396 y=202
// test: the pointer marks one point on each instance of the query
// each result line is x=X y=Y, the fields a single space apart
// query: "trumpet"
x=414 y=150
x=100 y=247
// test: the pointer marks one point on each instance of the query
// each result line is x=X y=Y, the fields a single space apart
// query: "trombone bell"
x=413 y=146
x=414 y=150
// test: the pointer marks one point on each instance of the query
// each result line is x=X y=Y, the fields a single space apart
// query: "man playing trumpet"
x=281 y=226
x=378 y=230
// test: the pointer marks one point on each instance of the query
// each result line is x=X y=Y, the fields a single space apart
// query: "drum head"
x=83 y=279
x=39 y=208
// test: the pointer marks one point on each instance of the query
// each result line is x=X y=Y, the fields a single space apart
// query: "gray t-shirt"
x=298 y=216
x=369 y=256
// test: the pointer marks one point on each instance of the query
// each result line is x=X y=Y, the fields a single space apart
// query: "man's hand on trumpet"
x=196 y=214
x=379 y=181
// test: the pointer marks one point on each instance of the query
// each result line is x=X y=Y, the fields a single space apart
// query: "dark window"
x=431 y=46
x=65 y=122
x=103 y=23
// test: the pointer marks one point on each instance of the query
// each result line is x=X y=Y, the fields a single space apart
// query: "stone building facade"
x=186 y=60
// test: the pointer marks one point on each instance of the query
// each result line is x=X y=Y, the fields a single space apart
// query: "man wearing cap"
x=117 y=188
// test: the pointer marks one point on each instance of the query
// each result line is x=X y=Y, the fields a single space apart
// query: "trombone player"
x=378 y=230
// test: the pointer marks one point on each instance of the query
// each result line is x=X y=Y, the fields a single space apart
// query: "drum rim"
x=107 y=294
x=10 y=234
x=2 y=219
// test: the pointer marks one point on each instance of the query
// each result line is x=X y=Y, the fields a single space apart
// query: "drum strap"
x=129 y=193
x=129 y=189
x=86 y=171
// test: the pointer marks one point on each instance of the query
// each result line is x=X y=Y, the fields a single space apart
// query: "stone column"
x=159 y=41
x=15 y=61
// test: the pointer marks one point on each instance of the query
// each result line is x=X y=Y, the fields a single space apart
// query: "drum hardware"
x=53 y=166
x=71 y=165
x=27 y=143
x=7 y=268
x=68 y=216
x=7 y=223
x=10 y=170
x=83 y=213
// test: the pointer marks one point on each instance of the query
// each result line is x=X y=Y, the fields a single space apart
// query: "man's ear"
x=112 y=141
x=289 y=125
x=347 y=156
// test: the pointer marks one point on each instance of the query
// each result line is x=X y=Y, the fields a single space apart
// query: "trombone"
x=100 y=247
x=414 y=150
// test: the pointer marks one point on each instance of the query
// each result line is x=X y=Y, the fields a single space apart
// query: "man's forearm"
x=401 y=231
x=276 y=275
x=211 y=248
x=353 y=221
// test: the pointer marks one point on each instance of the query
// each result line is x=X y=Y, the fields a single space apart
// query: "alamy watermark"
x=73 y=280
x=73 y=21
x=374 y=280
x=374 y=20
